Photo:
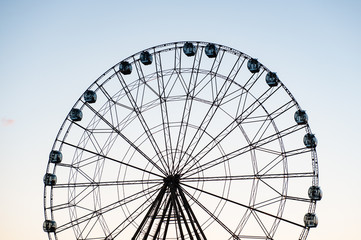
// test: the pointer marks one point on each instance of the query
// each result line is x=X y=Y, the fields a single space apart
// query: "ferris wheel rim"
x=164 y=48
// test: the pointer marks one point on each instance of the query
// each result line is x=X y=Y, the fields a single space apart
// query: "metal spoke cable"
x=245 y=206
x=143 y=123
x=243 y=150
x=225 y=132
x=112 y=159
x=211 y=113
x=103 y=210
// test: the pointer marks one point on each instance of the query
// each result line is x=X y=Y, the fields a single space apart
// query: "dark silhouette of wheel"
x=186 y=140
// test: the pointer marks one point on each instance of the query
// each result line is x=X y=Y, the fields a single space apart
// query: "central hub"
x=172 y=180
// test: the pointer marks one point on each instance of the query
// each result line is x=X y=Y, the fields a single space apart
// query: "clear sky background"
x=51 y=51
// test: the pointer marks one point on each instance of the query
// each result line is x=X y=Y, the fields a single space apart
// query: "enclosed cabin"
x=310 y=220
x=76 y=115
x=189 y=49
x=146 y=58
x=253 y=65
x=49 y=179
x=49 y=226
x=310 y=140
x=55 y=156
x=211 y=50
x=272 y=79
x=125 y=67
x=90 y=96
x=315 y=193
x=301 y=117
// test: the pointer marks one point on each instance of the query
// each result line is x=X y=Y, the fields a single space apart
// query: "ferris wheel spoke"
x=109 y=158
x=113 y=128
x=130 y=219
x=243 y=205
x=258 y=145
x=144 y=124
x=188 y=102
x=248 y=177
x=252 y=146
x=102 y=211
x=108 y=183
x=183 y=125
x=165 y=90
x=211 y=112
x=164 y=109
x=191 y=95
x=230 y=127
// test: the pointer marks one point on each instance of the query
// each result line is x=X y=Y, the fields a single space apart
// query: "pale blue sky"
x=51 y=51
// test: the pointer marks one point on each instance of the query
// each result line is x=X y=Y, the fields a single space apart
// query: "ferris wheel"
x=184 y=140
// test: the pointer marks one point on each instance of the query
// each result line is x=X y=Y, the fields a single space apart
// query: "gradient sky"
x=51 y=51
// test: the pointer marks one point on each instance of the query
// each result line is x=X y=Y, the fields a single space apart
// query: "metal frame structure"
x=183 y=141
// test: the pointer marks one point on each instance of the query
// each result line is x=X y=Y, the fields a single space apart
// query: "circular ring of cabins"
x=152 y=146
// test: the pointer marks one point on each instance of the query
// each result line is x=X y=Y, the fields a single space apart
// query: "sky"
x=51 y=51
